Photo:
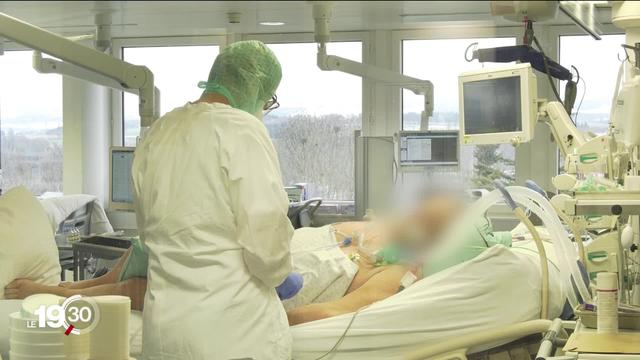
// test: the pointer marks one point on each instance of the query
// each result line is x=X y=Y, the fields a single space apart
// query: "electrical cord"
x=584 y=91
x=344 y=334
x=466 y=52
x=546 y=68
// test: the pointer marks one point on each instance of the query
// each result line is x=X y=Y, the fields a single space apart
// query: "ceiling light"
x=272 y=23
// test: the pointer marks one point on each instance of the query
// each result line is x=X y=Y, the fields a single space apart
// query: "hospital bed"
x=497 y=289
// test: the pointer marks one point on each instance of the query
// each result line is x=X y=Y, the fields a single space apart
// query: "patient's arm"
x=134 y=288
x=378 y=287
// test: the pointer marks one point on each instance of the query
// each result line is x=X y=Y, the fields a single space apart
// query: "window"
x=441 y=61
x=313 y=130
x=30 y=125
x=597 y=63
x=176 y=70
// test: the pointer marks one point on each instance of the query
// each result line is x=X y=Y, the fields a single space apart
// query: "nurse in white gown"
x=212 y=214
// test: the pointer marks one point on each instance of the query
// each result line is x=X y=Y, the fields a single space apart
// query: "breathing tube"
x=572 y=284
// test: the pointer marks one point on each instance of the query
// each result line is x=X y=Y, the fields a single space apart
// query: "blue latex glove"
x=290 y=286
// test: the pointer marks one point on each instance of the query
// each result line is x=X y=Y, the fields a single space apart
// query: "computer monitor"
x=498 y=106
x=420 y=148
x=120 y=183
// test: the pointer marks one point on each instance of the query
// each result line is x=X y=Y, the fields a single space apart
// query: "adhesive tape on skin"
x=408 y=279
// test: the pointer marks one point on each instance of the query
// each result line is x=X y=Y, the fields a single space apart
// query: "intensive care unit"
x=441 y=180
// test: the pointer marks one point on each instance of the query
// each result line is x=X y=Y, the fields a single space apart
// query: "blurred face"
x=427 y=222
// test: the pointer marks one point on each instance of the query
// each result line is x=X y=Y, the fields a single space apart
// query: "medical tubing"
x=544 y=266
x=616 y=90
x=565 y=251
x=535 y=187
x=506 y=196
x=564 y=217
x=576 y=233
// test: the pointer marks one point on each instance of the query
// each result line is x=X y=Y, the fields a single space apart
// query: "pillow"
x=27 y=246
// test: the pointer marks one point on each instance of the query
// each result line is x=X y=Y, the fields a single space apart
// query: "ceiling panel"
x=167 y=18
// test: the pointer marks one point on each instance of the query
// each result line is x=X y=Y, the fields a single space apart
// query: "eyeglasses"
x=271 y=105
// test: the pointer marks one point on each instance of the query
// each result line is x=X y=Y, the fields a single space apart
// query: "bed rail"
x=457 y=347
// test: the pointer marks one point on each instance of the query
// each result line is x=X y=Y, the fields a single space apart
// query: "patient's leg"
x=134 y=288
x=109 y=278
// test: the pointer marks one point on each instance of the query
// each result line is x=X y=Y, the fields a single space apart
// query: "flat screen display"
x=121 y=184
x=429 y=148
x=492 y=106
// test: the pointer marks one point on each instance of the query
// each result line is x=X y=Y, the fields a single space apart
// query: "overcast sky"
x=303 y=84
x=597 y=62
x=441 y=61
x=178 y=69
x=26 y=93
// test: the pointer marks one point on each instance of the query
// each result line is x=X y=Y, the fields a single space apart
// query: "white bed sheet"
x=499 y=287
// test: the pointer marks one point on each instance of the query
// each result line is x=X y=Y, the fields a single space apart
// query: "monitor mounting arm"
x=128 y=76
x=322 y=16
x=564 y=131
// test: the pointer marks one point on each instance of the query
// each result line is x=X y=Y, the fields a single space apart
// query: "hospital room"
x=197 y=180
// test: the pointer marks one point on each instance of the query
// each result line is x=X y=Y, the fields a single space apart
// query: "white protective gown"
x=212 y=213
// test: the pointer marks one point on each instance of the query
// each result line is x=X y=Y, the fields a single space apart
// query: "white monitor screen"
x=121 y=185
x=435 y=148
x=492 y=106
x=418 y=149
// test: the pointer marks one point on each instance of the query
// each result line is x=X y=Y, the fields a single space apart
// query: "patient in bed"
x=341 y=274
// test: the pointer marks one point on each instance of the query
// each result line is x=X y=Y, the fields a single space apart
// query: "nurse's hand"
x=22 y=288
x=290 y=286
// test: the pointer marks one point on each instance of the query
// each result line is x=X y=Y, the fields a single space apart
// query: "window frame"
x=293 y=38
x=117 y=46
x=346 y=36
x=444 y=33
x=441 y=33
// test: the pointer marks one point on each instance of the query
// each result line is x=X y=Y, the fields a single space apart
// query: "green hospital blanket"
x=136 y=264
x=478 y=238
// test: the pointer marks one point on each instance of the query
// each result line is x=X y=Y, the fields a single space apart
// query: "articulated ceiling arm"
x=129 y=76
x=388 y=77
x=52 y=66
x=321 y=16
x=564 y=131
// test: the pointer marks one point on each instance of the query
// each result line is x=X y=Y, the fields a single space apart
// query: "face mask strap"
x=216 y=88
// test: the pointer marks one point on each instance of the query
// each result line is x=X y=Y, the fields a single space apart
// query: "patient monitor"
x=498 y=106
x=424 y=148
x=120 y=183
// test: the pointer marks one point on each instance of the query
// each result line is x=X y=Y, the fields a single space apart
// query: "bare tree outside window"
x=30 y=125
x=313 y=130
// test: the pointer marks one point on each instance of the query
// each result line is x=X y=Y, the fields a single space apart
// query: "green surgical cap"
x=247 y=73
